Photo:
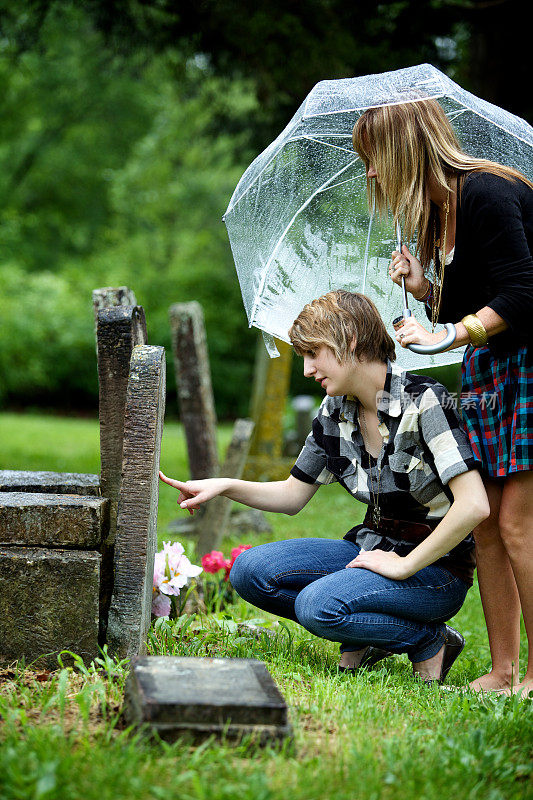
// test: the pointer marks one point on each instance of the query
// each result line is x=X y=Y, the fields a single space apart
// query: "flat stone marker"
x=52 y=520
x=233 y=697
x=13 y=480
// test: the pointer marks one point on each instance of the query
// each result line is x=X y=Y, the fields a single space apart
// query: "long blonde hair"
x=407 y=144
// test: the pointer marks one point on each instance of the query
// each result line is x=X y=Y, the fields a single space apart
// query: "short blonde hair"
x=336 y=320
x=407 y=144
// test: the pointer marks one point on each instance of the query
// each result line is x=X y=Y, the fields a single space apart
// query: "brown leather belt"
x=401 y=528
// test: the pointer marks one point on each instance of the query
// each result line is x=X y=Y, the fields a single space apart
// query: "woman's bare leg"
x=516 y=529
x=499 y=596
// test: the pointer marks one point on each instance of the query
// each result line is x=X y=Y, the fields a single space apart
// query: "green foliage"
x=126 y=126
x=117 y=169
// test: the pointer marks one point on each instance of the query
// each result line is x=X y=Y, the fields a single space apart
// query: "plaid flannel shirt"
x=424 y=446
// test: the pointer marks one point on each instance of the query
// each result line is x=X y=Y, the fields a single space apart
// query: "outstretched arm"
x=470 y=507
x=285 y=497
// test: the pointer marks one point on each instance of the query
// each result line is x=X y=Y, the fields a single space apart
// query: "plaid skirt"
x=497 y=409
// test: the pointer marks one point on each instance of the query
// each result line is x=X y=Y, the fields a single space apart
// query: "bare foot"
x=524 y=689
x=351 y=659
x=430 y=669
x=492 y=682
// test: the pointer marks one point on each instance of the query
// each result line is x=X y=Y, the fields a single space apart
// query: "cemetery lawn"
x=378 y=735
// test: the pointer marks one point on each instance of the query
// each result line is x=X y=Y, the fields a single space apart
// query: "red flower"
x=214 y=561
x=237 y=551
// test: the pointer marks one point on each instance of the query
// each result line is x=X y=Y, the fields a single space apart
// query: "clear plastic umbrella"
x=298 y=221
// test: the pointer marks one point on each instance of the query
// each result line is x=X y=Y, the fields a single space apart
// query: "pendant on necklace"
x=376 y=516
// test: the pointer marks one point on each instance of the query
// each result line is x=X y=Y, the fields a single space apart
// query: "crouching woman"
x=393 y=440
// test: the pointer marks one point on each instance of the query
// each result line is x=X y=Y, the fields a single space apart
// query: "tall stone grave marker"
x=136 y=534
x=269 y=397
x=213 y=524
x=110 y=297
x=195 y=393
x=119 y=330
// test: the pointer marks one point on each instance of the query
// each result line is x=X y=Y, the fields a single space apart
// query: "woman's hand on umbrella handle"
x=412 y=332
x=405 y=265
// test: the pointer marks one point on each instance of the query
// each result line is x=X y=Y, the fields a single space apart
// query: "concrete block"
x=48 y=603
x=52 y=520
x=204 y=696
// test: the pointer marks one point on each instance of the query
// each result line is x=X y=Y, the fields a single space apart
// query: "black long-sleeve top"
x=493 y=260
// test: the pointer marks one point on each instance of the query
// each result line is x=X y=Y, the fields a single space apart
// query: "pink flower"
x=161 y=606
x=214 y=561
x=172 y=570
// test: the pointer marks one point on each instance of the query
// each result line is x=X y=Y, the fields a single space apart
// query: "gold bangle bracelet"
x=476 y=331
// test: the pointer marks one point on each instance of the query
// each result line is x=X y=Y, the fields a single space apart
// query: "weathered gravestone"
x=119 y=330
x=195 y=393
x=51 y=527
x=57 y=534
x=303 y=406
x=79 y=483
x=48 y=603
x=231 y=697
x=136 y=535
x=197 y=414
x=269 y=397
x=110 y=297
x=214 y=522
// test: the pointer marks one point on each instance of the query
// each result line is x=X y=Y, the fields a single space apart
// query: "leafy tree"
x=119 y=170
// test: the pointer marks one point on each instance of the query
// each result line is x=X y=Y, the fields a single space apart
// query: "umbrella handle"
x=424 y=349
x=430 y=349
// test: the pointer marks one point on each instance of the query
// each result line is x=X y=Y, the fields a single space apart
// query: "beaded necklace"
x=439 y=263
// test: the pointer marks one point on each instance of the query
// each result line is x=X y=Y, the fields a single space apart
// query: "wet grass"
x=378 y=735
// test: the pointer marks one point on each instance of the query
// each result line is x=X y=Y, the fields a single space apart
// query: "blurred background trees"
x=125 y=128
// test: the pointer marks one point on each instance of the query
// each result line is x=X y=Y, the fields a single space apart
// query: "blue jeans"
x=305 y=580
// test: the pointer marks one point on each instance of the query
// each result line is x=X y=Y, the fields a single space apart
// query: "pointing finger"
x=171 y=481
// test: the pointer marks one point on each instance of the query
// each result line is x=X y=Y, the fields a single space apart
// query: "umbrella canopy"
x=298 y=220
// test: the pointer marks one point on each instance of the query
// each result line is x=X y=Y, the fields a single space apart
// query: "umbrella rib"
x=340 y=183
x=365 y=107
x=281 y=238
x=233 y=203
x=327 y=144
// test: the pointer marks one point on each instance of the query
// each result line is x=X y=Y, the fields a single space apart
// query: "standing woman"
x=474 y=267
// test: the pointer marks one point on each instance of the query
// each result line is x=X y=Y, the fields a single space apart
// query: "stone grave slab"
x=52 y=520
x=48 y=603
x=233 y=697
x=13 y=480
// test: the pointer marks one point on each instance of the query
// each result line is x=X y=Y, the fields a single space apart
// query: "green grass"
x=379 y=735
